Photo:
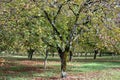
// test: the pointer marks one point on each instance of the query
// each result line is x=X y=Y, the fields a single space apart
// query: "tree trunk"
x=45 y=60
x=71 y=55
x=85 y=55
x=53 y=54
x=30 y=56
x=30 y=53
x=81 y=54
x=100 y=54
x=63 y=57
x=95 y=53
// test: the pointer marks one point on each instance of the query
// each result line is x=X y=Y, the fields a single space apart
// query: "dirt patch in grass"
x=21 y=70
x=30 y=63
x=15 y=68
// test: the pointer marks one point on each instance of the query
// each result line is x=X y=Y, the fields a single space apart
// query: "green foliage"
x=24 y=25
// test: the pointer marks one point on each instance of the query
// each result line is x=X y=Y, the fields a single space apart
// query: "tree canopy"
x=60 y=24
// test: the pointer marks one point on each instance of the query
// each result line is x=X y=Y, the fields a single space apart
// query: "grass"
x=14 y=78
x=16 y=70
x=77 y=67
x=108 y=75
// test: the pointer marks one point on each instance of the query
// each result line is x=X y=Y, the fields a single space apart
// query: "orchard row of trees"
x=63 y=26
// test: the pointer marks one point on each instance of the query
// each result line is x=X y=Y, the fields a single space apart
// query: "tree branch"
x=74 y=31
x=72 y=10
x=75 y=24
x=59 y=10
x=47 y=43
x=53 y=25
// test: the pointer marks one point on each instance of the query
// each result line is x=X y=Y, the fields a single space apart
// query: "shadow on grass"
x=19 y=70
x=99 y=59
x=11 y=70
x=23 y=58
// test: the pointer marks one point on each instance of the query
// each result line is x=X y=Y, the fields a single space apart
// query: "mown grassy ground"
x=20 y=68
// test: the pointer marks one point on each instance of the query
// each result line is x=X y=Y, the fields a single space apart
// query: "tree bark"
x=63 y=65
x=63 y=57
x=53 y=54
x=45 y=60
x=85 y=55
x=30 y=53
x=100 y=54
x=71 y=55
x=95 y=53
